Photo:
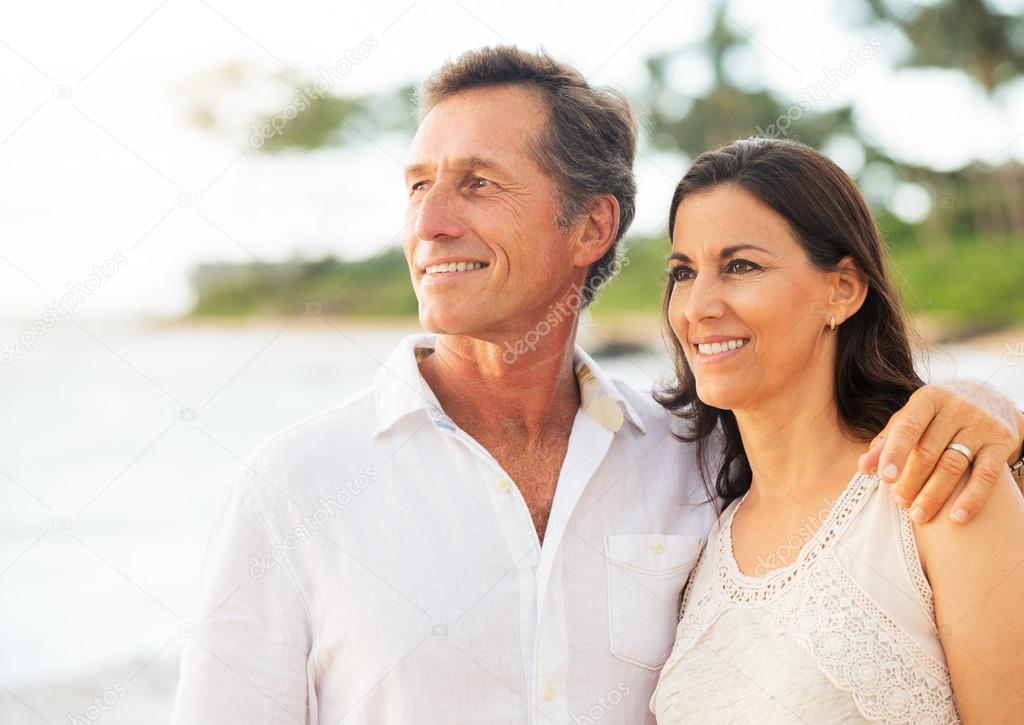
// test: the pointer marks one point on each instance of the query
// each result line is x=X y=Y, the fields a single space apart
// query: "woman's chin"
x=718 y=396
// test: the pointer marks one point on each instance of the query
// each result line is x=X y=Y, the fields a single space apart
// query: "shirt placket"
x=589 y=443
x=517 y=528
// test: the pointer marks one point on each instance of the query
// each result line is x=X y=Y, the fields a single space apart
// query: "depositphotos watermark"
x=822 y=89
x=567 y=308
x=325 y=79
x=785 y=552
x=603 y=706
x=1014 y=353
x=61 y=308
x=100 y=705
x=327 y=509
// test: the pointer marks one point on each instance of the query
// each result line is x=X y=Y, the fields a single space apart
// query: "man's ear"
x=849 y=289
x=596 y=230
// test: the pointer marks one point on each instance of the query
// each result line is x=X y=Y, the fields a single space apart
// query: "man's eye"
x=681 y=274
x=478 y=182
x=418 y=186
x=740 y=266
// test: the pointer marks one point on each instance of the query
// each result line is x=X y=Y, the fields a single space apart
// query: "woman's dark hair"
x=874 y=368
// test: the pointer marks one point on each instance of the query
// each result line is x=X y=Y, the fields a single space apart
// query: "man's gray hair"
x=588 y=146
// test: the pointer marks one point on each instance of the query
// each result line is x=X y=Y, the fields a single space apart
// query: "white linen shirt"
x=374 y=564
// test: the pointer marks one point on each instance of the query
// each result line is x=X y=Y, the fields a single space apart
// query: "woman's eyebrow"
x=729 y=251
x=726 y=252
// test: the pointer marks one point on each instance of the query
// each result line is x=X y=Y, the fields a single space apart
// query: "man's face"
x=485 y=252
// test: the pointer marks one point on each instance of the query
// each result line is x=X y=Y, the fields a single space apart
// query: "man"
x=496 y=531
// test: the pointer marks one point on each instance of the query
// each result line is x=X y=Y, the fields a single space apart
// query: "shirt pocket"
x=646 y=575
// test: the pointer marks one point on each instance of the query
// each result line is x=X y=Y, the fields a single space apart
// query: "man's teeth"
x=716 y=347
x=454 y=267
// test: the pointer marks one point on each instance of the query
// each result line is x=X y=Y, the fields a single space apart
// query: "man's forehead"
x=479 y=125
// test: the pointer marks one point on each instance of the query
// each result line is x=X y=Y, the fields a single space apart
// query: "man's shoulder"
x=313 y=440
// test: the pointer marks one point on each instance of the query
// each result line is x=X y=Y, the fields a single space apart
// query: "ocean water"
x=115 y=439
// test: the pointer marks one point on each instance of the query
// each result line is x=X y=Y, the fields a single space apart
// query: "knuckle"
x=929 y=502
x=905 y=490
x=986 y=476
x=927 y=451
x=912 y=426
x=931 y=395
x=952 y=463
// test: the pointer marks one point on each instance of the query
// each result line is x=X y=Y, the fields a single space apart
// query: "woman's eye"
x=739 y=266
x=681 y=274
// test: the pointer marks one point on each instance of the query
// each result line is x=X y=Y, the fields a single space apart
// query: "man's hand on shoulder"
x=914 y=450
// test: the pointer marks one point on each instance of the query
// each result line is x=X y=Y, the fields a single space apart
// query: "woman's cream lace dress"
x=844 y=634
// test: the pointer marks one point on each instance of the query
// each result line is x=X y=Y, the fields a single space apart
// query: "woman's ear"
x=849 y=289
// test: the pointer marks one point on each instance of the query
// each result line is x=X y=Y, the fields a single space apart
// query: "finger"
x=908 y=425
x=868 y=462
x=988 y=467
x=926 y=459
x=941 y=482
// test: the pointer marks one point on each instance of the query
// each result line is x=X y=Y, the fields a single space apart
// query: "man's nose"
x=437 y=217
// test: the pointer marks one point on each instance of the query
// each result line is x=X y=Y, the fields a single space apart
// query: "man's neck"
x=483 y=390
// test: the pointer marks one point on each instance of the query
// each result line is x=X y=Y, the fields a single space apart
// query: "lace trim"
x=912 y=560
x=745 y=589
x=862 y=651
x=697 y=617
x=849 y=637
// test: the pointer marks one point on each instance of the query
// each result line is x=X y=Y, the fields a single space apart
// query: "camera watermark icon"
x=62 y=522
x=439 y=630
x=187 y=414
x=944 y=201
x=314 y=308
x=62 y=92
x=187 y=630
x=188 y=200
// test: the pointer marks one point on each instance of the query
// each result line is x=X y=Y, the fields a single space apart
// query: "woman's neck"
x=798 y=452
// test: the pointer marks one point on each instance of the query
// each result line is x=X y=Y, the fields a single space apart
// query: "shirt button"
x=657 y=548
x=503 y=485
x=549 y=693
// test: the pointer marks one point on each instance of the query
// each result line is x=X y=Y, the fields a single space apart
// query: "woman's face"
x=748 y=308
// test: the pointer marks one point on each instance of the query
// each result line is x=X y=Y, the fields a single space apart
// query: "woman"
x=816 y=598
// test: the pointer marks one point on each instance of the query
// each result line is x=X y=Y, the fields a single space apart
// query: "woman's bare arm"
x=976 y=571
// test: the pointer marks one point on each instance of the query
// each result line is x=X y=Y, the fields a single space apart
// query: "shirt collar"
x=400 y=389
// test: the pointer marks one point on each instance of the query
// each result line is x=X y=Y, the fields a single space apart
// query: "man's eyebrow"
x=467 y=163
x=726 y=252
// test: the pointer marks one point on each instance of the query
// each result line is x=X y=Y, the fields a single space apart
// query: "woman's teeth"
x=454 y=267
x=715 y=348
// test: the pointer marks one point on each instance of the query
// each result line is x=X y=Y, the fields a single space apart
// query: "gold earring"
x=832 y=322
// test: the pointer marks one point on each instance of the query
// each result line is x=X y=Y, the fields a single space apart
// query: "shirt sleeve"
x=247 y=660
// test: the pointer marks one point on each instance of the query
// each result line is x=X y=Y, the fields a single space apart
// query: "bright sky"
x=97 y=157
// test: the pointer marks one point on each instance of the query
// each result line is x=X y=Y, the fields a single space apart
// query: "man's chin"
x=446 y=323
